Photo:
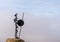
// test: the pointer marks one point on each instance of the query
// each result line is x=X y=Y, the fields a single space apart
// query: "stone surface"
x=14 y=40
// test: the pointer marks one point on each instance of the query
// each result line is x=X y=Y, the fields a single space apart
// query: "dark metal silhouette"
x=20 y=23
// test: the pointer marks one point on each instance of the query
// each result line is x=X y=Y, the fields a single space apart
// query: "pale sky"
x=42 y=19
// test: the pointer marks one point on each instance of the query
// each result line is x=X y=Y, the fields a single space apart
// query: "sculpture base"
x=14 y=40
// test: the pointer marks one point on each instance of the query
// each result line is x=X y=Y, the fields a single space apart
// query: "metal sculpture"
x=20 y=23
